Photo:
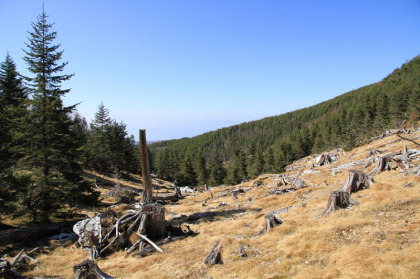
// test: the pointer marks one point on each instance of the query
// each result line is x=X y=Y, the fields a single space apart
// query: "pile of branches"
x=135 y=230
x=396 y=160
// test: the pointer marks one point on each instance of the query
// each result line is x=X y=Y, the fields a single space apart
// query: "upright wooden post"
x=145 y=167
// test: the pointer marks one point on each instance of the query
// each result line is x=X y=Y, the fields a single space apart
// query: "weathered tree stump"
x=88 y=269
x=323 y=159
x=214 y=257
x=356 y=180
x=271 y=221
x=382 y=164
x=340 y=198
x=242 y=251
x=155 y=223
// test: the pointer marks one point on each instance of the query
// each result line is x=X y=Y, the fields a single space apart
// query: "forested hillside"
x=43 y=143
x=243 y=151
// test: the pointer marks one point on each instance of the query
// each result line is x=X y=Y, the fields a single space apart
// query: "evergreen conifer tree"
x=217 y=171
x=13 y=102
x=201 y=169
x=97 y=150
x=51 y=146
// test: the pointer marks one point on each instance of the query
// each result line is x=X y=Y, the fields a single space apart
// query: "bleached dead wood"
x=89 y=269
x=324 y=159
x=214 y=257
x=295 y=185
x=7 y=272
x=271 y=221
x=354 y=164
x=235 y=191
x=165 y=197
x=356 y=181
x=16 y=259
x=148 y=219
x=382 y=163
x=242 y=251
x=150 y=242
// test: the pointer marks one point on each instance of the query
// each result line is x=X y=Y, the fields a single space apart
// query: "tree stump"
x=88 y=269
x=382 y=163
x=340 y=198
x=155 y=222
x=242 y=251
x=271 y=221
x=356 y=180
x=214 y=257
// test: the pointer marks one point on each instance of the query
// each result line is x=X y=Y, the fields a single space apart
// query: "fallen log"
x=165 y=197
x=295 y=185
x=33 y=234
x=89 y=269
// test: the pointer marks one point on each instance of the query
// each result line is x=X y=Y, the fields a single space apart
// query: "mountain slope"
x=342 y=121
x=379 y=238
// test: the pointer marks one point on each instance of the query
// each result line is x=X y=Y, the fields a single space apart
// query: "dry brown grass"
x=377 y=239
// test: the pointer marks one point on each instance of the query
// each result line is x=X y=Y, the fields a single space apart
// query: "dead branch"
x=150 y=242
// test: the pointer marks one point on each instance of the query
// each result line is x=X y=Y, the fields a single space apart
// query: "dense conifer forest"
x=244 y=151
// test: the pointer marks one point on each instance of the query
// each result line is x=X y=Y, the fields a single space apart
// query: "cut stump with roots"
x=356 y=180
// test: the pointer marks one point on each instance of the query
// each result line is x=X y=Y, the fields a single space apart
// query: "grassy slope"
x=377 y=239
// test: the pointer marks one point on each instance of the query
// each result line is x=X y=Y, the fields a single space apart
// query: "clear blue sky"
x=184 y=67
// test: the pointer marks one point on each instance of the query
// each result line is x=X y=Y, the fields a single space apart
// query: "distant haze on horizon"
x=183 y=68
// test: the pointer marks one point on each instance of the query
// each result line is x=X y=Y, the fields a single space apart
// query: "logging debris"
x=133 y=230
x=234 y=192
x=295 y=185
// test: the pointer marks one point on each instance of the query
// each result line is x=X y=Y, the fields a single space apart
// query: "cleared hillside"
x=379 y=238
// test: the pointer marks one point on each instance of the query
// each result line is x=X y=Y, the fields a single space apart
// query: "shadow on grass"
x=210 y=216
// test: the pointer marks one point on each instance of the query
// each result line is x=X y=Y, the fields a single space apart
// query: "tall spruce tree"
x=201 y=169
x=98 y=150
x=187 y=175
x=51 y=145
x=217 y=171
x=13 y=102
